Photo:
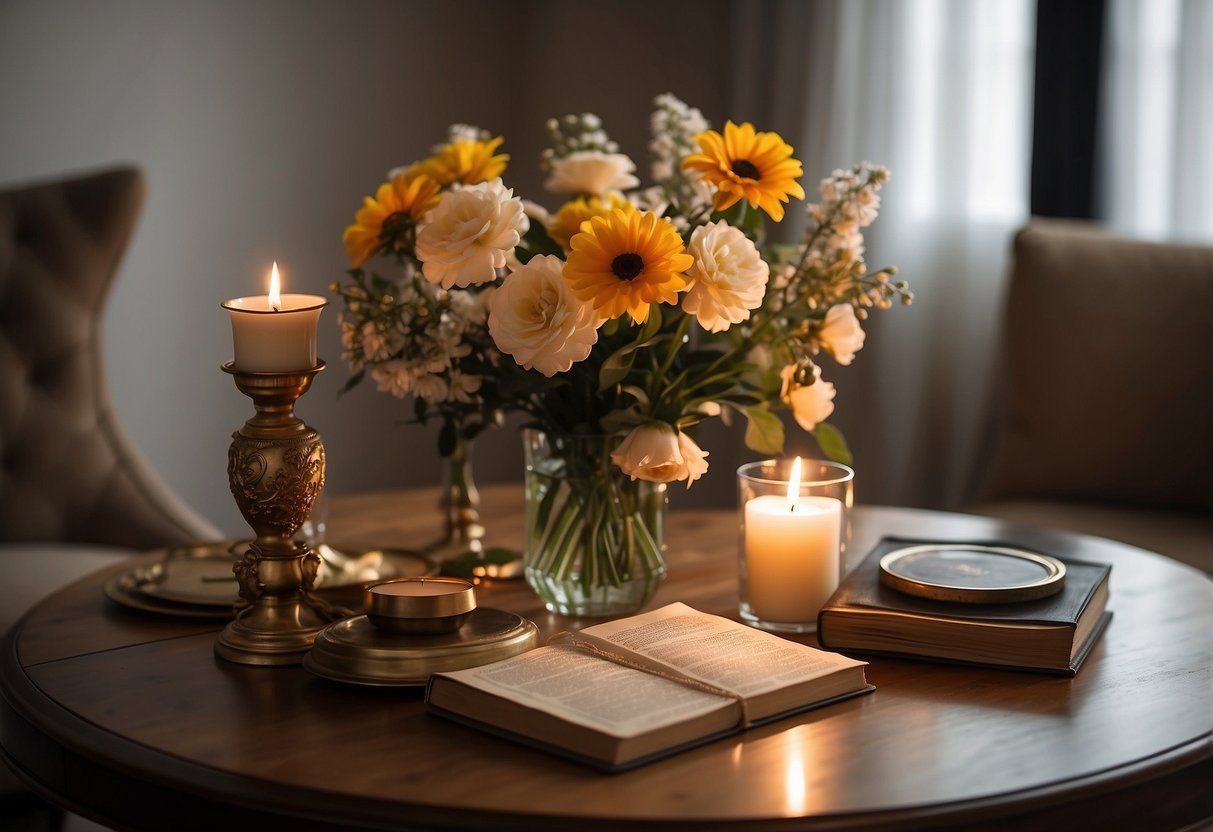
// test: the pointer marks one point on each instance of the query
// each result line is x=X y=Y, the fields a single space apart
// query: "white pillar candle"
x=275 y=333
x=791 y=555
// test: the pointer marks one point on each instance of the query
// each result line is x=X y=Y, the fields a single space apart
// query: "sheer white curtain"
x=1157 y=130
x=940 y=92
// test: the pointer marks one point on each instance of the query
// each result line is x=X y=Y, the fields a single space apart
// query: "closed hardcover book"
x=1049 y=635
x=620 y=694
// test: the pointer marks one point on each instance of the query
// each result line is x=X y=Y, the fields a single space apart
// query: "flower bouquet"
x=618 y=322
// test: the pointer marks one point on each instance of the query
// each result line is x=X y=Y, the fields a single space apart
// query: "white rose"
x=591 y=172
x=727 y=279
x=811 y=404
x=466 y=237
x=657 y=452
x=841 y=333
x=537 y=319
x=694 y=457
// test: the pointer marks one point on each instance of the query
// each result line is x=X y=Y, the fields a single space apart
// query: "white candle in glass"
x=275 y=333
x=792 y=553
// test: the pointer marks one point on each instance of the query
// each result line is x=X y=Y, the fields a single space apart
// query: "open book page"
x=714 y=650
x=581 y=688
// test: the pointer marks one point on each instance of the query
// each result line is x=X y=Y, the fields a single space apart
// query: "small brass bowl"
x=420 y=605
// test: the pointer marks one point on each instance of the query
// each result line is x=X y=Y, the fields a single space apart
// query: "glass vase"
x=594 y=536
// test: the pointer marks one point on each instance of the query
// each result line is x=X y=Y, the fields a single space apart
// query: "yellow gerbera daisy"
x=749 y=164
x=465 y=160
x=625 y=261
x=568 y=220
x=380 y=220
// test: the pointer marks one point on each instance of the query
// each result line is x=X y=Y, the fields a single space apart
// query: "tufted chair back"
x=67 y=470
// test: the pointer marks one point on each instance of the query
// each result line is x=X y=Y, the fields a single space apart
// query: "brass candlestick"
x=275 y=470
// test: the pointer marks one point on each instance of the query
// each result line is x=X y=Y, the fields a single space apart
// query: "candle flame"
x=794 y=485
x=275 y=291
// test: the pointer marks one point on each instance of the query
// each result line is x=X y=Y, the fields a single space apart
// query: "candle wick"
x=276 y=307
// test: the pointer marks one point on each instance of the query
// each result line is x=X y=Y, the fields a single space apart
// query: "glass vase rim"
x=847 y=473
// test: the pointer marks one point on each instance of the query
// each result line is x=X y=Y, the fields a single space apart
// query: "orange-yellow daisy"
x=381 y=219
x=625 y=261
x=744 y=163
x=464 y=160
x=568 y=220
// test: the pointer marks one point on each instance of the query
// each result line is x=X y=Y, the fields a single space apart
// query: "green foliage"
x=832 y=443
x=764 y=431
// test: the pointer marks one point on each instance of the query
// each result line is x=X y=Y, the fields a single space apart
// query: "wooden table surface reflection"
x=130 y=718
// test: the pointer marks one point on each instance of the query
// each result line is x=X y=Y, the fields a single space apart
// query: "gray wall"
x=260 y=125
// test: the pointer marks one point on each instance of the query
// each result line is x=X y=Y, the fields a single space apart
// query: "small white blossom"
x=392 y=377
x=431 y=387
x=463 y=386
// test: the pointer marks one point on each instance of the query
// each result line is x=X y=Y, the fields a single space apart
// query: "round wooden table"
x=129 y=717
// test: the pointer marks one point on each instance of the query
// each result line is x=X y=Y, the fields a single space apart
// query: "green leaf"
x=617 y=366
x=764 y=433
x=538 y=241
x=618 y=421
x=448 y=436
x=832 y=443
x=641 y=397
x=352 y=382
x=500 y=555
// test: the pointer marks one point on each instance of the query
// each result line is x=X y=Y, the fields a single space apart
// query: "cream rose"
x=591 y=172
x=657 y=452
x=811 y=403
x=467 y=236
x=534 y=317
x=841 y=334
x=728 y=278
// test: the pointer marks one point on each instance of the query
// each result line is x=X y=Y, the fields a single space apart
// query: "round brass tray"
x=972 y=573
x=124 y=589
x=354 y=651
x=196 y=580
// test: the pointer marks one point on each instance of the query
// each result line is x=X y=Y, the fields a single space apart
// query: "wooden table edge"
x=35 y=723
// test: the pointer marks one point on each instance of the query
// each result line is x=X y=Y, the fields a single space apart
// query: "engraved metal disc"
x=972 y=573
x=354 y=651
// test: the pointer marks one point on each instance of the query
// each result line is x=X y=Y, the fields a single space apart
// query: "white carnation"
x=591 y=172
x=841 y=333
x=535 y=317
x=467 y=236
x=727 y=279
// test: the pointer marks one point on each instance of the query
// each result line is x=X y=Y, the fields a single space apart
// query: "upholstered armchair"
x=74 y=493
x=1105 y=419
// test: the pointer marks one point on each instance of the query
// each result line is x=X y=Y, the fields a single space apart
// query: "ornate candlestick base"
x=275 y=470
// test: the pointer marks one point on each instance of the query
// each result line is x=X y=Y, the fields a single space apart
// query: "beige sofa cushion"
x=1109 y=388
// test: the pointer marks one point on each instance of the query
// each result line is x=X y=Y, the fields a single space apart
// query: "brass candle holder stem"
x=275 y=470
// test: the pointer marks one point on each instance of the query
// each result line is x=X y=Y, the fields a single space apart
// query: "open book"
x=628 y=691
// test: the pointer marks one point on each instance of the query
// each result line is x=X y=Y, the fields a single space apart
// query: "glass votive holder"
x=793 y=539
